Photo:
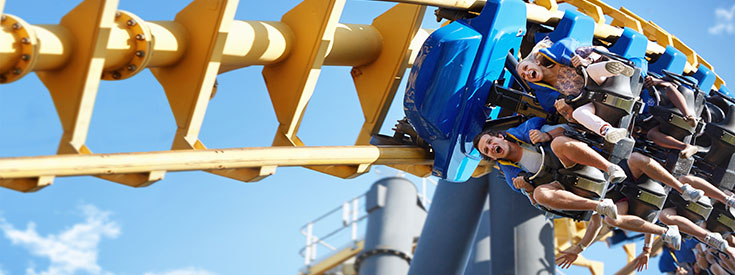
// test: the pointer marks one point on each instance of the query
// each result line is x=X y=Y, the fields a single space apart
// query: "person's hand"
x=520 y=183
x=579 y=61
x=641 y=262
x=537 y=136
x=727 y=262
x=681 y=271
x=568 y=256
x=730 y=251
x=564 y=109
x=653 y=81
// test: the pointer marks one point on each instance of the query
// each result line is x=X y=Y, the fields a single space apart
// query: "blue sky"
x=198 y=223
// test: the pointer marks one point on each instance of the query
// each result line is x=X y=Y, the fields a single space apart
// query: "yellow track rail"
x=95 y=42
x=186 y=54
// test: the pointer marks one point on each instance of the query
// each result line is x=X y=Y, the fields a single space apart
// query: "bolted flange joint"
x=28 y=45
x=140 y=38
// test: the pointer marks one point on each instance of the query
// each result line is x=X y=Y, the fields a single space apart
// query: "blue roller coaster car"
x=449 y=83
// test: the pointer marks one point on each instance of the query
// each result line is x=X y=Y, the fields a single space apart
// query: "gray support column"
x=479 y=261
x=392 y=205
x=522 y=240
x=446 y=238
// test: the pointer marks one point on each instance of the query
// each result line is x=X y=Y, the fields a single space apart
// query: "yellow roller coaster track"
x=186 y=54
x=95 y=42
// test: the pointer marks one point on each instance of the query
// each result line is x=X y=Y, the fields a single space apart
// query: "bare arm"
x=537 y=136
x=642 y=259
x=570 y=255
x=559 y=131
x=593 y=229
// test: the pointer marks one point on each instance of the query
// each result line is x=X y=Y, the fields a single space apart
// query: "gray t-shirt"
x=530 y=160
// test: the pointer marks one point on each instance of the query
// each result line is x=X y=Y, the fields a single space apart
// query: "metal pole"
x=392 y=207
x=307 y=256
x=446 y=238
x=479 y=261
x=522 y=238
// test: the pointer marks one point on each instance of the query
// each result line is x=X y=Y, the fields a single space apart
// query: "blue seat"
x=447 y=88
x=706 y=77
x=724 y=90
x=630 y=45
x=574 y=24
x=671 y=60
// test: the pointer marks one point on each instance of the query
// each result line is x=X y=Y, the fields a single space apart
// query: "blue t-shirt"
x=683 y=255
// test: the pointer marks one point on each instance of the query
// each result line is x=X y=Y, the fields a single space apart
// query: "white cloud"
x=183 y=271
x=725 y=21
x=70 y=251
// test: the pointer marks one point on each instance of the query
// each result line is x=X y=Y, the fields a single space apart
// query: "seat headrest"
x=715 y=112
x=729 y=122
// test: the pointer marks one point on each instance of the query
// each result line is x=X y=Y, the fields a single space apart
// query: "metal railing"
x=351 y=216
x=353 y=213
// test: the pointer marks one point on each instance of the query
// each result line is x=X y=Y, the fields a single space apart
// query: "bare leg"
x=670 y=142
x=677 y=99
x=554 y=196
x=672 y=93
x=669 y=217
x=709 y=189
x=640 y=164
x=633 y=223
x=598 y=73
x=571 y=151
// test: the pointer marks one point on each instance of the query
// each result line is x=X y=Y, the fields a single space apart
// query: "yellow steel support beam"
x=189 y=83
x=264 y=42
x=27 y=184
x=249 y=43
x=595 y=267
x=210 y=159
x=719 y=82
x=473 y=5
x=134 y=44
x=73 y=87
x=651 y=30
x=620 y=18
x=336 y=259
x=541 y=15
x=291 y=82
x=550 y=5
x=377 y=82
x=629 y=249
x=692 y=62
x=589 y=9
x=704 y=62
